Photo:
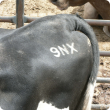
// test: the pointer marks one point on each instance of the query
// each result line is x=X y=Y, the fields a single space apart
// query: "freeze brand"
x=63 y=50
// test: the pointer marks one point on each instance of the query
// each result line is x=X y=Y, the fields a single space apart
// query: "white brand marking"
x=63 y=50
x=72 y=48
x=55 y=50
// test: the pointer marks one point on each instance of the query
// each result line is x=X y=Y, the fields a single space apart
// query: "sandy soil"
x=39 y=8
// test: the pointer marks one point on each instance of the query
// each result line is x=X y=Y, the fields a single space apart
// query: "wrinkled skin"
x=101 y=7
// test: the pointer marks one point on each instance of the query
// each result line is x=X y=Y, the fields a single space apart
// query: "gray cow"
x=51 y=60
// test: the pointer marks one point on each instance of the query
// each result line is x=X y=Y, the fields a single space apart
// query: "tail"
x=78 y=24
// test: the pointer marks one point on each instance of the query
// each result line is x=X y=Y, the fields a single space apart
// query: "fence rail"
x=100 y=107
x=103 y=80
x=20 y=19
x=24 y=19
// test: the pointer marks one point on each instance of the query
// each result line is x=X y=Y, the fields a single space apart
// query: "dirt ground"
x=40 y=8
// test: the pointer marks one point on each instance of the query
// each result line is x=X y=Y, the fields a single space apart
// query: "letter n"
x=63 y=50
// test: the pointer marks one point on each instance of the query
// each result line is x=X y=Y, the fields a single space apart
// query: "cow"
x=90 y=12
x=91 y=9
x=50 y=60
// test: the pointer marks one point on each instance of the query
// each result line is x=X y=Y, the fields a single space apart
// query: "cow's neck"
x=103 y=8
